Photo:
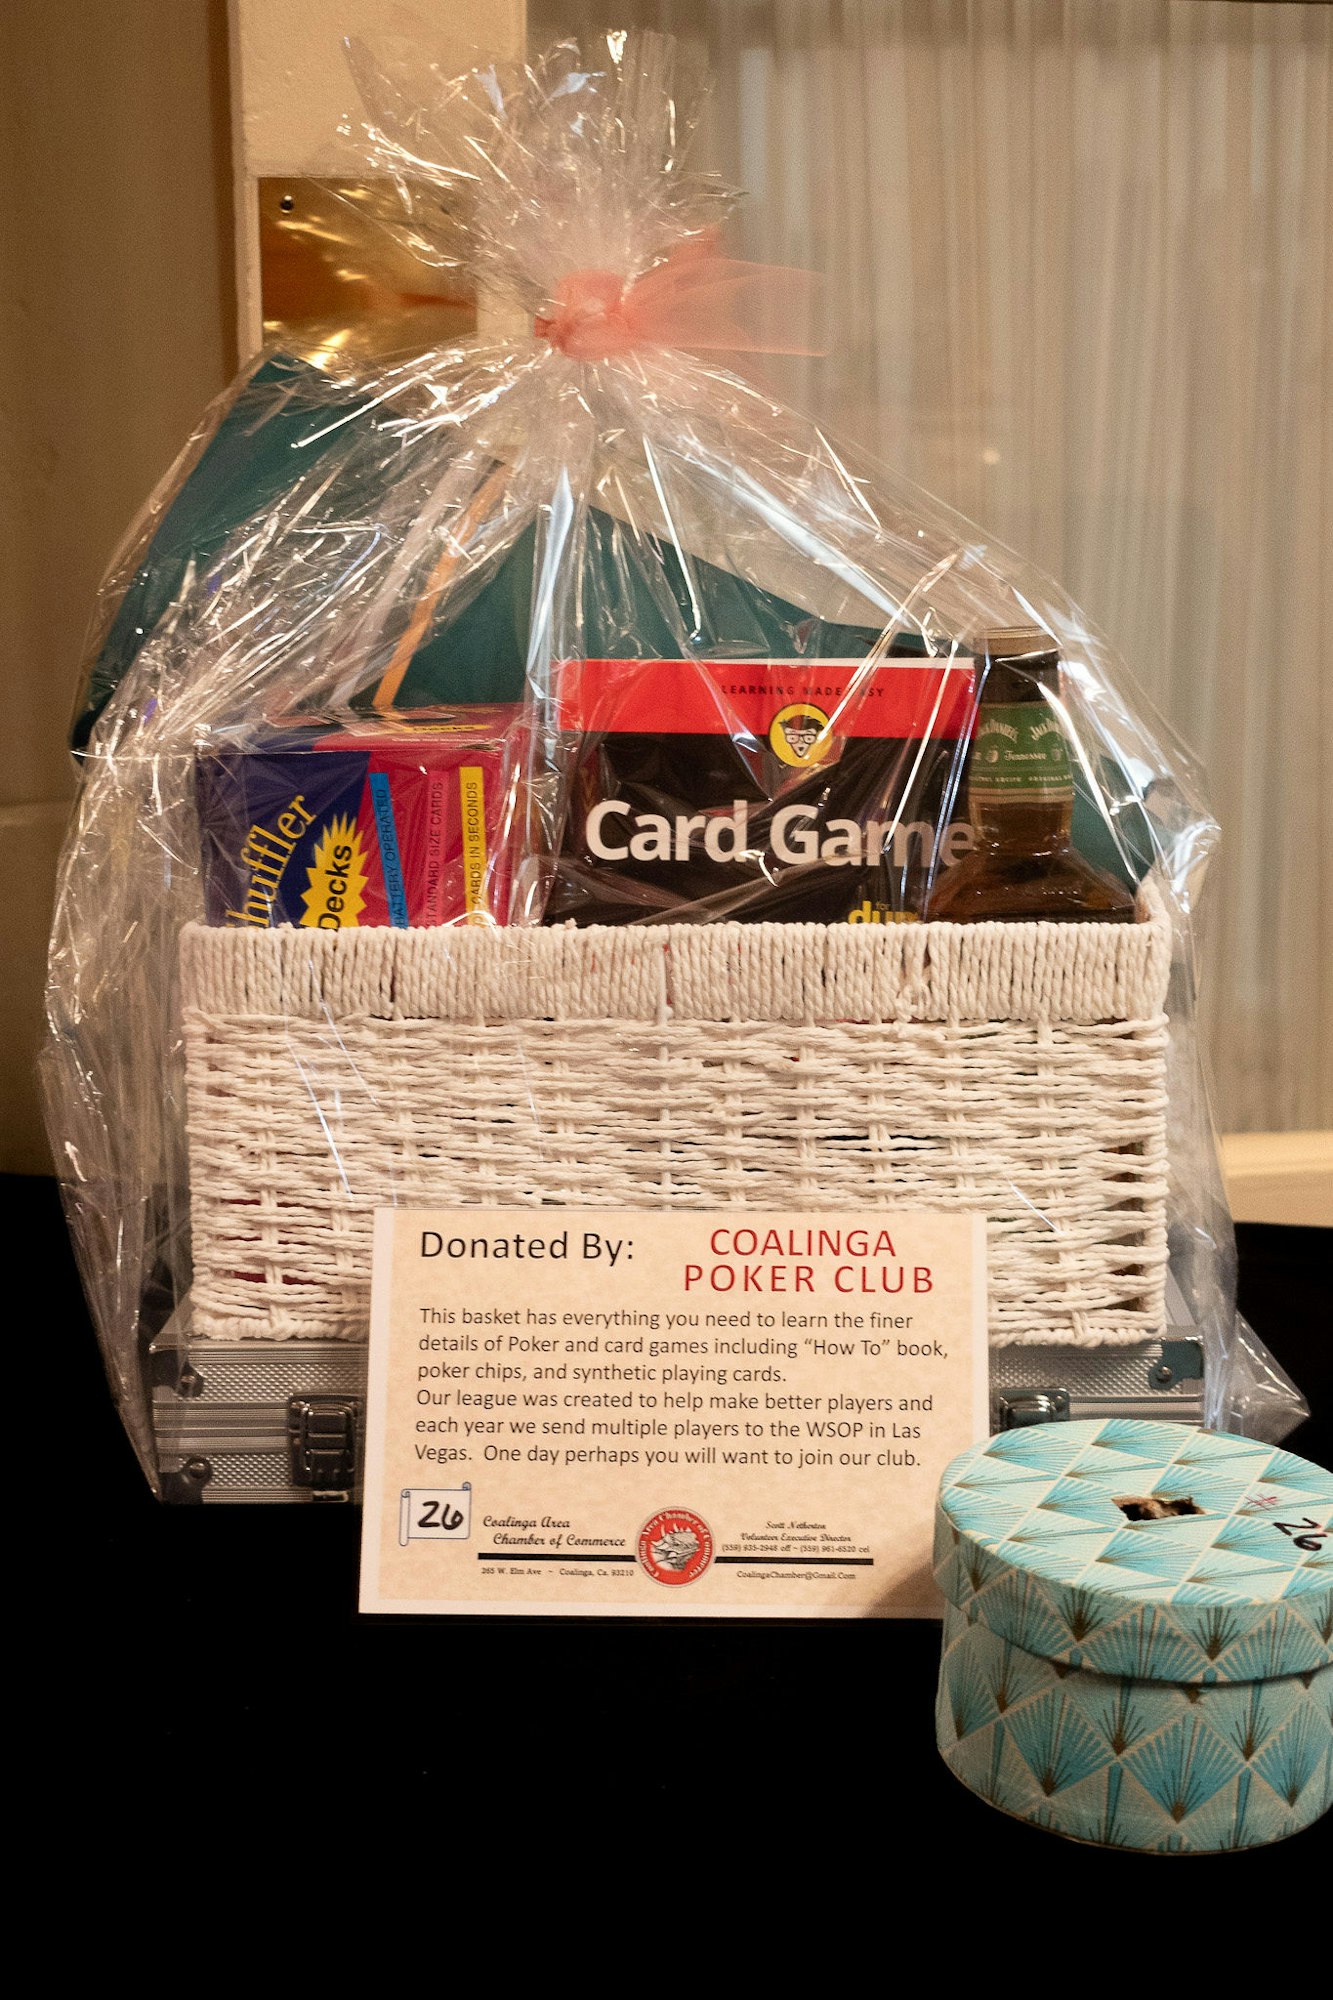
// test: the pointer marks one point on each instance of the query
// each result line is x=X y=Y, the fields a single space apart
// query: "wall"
x=118 y=326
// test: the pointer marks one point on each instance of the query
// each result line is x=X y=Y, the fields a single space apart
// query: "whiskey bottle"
x=1023 y=867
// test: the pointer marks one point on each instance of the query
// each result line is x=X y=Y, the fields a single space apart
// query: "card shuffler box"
x=390 y=822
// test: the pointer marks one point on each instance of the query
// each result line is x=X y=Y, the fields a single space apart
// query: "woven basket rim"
x=796 y=973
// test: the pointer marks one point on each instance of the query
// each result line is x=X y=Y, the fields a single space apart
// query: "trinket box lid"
x=1032 y=1540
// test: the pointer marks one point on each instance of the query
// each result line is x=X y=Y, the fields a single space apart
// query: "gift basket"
x=545 y=770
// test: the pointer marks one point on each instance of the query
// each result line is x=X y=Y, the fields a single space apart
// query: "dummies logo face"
x=799 y=734
x=336 y=896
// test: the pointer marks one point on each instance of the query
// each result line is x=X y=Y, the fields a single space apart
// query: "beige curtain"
x=1080 y=264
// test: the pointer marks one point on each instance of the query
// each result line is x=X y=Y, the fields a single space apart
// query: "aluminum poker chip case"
x=1163 y=1684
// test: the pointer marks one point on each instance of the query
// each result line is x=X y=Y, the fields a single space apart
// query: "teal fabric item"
x=638 y=597
x=1162 y=1684
x=280 y=411
x=1128 y=850
x=477 y=653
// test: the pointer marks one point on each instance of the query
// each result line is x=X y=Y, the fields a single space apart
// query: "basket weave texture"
x=1016 y=1069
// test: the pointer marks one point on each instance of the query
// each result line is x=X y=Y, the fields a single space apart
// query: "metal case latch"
x=1179 y=1361
x=321 y=1436
x=1020 y=1407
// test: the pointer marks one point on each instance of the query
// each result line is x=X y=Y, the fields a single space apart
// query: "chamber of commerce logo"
x=675 y=1546
x=799 y=734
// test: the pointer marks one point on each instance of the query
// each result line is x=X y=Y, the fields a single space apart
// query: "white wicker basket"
x=1018 y=1069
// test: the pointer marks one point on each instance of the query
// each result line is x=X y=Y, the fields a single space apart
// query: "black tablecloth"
x=228 y=1679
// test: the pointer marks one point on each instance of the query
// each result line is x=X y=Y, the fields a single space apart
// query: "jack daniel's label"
x=1020 y=754
x=814 y=790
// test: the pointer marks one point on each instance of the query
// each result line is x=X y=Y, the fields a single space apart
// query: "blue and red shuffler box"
x=404 y=822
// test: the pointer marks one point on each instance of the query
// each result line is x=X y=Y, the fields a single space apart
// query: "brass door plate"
x=337 y=273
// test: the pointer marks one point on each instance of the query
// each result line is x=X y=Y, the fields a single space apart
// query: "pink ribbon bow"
x=695 y=298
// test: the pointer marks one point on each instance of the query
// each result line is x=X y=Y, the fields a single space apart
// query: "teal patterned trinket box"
x=1138 y=1637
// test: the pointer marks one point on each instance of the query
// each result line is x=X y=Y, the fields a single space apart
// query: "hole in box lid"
x=1156 y=1506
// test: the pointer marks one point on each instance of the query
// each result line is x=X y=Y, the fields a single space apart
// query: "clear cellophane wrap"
x=603 y=568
